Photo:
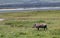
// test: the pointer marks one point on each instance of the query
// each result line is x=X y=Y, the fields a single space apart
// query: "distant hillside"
x=29 y=5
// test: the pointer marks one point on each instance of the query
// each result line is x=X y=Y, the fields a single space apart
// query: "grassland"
x=19 y=24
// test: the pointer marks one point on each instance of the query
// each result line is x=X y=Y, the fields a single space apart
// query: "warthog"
x=43 y=25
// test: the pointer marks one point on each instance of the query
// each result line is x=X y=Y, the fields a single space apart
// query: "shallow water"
x=27 y=9
x=1 y=19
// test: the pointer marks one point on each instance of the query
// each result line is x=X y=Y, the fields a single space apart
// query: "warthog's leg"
x=45 y=28
x=38 y=28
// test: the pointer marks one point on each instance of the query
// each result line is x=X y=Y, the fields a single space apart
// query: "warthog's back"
x=43 y=24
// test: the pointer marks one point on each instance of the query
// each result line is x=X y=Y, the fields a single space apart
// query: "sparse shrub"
x=55 y=37
x=8 y=23
x=1 y=35
x=22 y=33
x=49 y=11
x=38 y=34
x=38 y=11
